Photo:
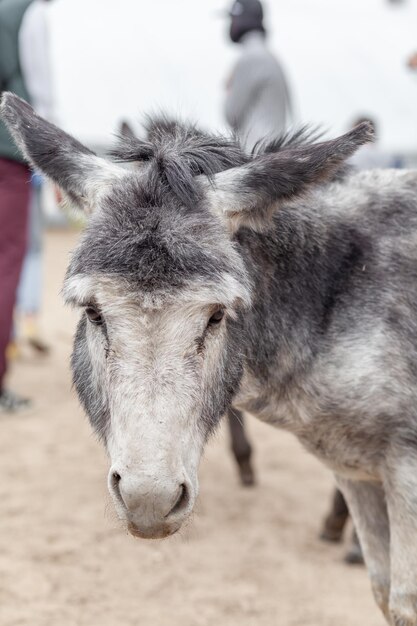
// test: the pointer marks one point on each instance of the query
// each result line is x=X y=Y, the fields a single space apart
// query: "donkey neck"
x=286 y=268
x=301 y=271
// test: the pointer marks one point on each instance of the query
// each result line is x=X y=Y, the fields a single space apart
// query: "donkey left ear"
x=80 y=173
x=250 y=194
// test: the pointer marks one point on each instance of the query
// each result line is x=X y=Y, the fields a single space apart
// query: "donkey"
x=278 y=282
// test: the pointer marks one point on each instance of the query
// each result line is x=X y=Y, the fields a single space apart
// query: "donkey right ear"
x=250 y=194
x=80 y=173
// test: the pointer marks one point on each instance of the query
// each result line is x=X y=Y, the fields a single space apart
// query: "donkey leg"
x=334 y=525
x=335 y=521
x=401 y=492
x=368 y=508
x=241 y=447
x=354 y=555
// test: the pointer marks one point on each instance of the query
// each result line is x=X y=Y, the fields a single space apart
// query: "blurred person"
x=37 y=74
x=30 y=285
x=14 y=192
x=34 y=54
x=412 y=61
x=126 y=130
x=258 y=103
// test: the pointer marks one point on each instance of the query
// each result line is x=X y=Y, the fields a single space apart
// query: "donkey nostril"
x=115 y=485
x=181 y=502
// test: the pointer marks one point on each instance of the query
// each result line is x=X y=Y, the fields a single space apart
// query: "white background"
x=123 y=58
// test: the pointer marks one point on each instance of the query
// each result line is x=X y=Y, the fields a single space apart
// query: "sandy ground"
x=249 y=558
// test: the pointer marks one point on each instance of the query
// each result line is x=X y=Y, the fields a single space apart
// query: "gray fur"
x=322 y=339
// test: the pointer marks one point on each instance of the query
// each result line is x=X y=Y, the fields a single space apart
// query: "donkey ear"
x=250 y=194
x=74 y=168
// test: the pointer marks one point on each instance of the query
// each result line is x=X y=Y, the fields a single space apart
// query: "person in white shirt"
x=34 y=54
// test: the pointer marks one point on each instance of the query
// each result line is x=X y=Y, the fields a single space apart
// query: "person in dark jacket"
x=14 y=192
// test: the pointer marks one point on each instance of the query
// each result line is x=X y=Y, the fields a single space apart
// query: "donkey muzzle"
x=152 y=507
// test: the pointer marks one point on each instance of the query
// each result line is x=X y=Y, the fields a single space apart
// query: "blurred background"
x=251 y=556
x=342 y=59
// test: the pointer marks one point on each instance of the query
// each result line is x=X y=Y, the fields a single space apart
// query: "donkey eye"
x=94 y=315
x=216 y=318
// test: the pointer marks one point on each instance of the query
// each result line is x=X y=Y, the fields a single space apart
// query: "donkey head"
x=163 y=290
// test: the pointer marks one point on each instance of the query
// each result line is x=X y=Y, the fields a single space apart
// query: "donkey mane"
x=177 y=152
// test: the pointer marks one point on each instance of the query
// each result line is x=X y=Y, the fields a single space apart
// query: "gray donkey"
x=277 y=282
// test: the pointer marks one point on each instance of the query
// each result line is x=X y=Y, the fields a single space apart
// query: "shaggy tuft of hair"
x=177 y=153
x=295 y=138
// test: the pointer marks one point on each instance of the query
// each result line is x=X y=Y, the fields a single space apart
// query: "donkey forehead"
x=152 y=249
x=157 y=245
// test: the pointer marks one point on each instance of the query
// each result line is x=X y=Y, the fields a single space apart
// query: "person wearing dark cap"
x=258 y=103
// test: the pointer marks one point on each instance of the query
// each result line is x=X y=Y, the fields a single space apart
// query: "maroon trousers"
x=14 y=207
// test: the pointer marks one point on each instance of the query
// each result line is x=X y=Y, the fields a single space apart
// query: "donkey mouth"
x=152 y=533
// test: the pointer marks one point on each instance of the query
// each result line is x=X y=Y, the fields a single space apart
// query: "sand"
x=248 y=557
